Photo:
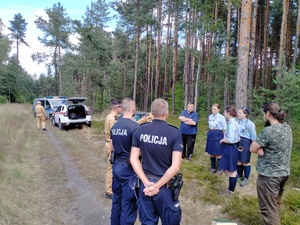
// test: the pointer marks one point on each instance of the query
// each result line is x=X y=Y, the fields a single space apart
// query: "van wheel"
x=60 y=126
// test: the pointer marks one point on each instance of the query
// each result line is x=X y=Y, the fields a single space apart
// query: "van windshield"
x=57 y=102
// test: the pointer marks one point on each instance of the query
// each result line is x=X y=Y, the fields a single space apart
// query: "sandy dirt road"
x=79 y=194
x=83 y=168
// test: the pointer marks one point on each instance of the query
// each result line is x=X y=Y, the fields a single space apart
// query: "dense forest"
x=226 y=51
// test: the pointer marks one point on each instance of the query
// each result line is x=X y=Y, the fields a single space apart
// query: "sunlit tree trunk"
x=166 y=79
x=227 y=54
x=148 y=68
x=158 y=47
x=283 y=33
x=193 y=55
x=137 y=41
x=175 y=55
x=253 y=49
x=243 y=54
x=186 y=55
x=266 y=46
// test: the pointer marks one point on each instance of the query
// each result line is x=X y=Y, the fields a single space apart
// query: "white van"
x=50 y=103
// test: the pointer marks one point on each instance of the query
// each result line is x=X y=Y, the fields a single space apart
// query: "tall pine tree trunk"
x=283 y=33
x=157 y=71
x=266 y=46
x=227 y=54
x=137 y=41
x=295 y=56
x=243 y=54
x=253 y=48
x=186 y=55
x=175 y=55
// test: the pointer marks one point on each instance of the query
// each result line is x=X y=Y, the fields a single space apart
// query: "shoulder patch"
x=172 y=126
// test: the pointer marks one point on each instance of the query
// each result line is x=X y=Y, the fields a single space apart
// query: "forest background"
x=229 y=52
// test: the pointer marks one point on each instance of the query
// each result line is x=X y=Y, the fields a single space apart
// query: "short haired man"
x=111 y=118
x=40 y=116
x=124 y=208
x=188 y=127
x=160 y=146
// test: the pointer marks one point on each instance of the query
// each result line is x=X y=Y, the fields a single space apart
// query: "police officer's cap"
x=38 y=102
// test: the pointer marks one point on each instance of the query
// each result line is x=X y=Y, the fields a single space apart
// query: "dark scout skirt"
x=245 y=154
x=229 y=157
x=213 y=146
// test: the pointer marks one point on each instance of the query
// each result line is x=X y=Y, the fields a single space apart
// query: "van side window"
x=48 y=106
x=42 y=103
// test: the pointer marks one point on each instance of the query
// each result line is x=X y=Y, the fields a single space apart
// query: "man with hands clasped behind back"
x=160 y=145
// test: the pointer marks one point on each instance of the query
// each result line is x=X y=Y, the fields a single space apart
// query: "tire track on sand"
x=86 y=207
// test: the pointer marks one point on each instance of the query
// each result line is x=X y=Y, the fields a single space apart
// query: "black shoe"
x=44 y=129
x=109 y=196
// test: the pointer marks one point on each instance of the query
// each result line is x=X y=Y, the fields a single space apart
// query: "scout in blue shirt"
x=230 y=149
x=248 y=134
x=217 y=126
x=160 y=146
x=188 y=127
x=124 y=206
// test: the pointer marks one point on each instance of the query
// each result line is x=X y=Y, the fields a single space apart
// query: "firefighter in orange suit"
x=111 y=118
x=40 y=116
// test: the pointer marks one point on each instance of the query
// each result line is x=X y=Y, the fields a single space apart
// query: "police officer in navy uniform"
x=124 y=207
x=160 y=146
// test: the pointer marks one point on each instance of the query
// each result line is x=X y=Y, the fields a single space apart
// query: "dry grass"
x=24 y=180
x=33 y=186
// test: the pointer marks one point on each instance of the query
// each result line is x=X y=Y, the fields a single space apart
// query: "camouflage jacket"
x=276 y=141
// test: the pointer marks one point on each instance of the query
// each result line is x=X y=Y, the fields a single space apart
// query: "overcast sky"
x=29 y=10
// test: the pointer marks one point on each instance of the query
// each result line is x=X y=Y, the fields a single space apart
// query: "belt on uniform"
x=107 y=140
x=122 y=159
x=229 y=143
x=154 y=177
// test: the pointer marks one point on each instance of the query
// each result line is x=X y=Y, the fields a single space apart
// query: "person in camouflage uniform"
x=273 y=146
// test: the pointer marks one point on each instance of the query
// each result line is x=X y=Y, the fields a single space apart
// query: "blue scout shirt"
x=217 y=122
x=121 y=135
x=232 y=133
x=157 y=140
x=247 y=129
x=189 y=129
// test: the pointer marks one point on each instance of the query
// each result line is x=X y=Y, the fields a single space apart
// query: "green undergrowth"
x=243 y=208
